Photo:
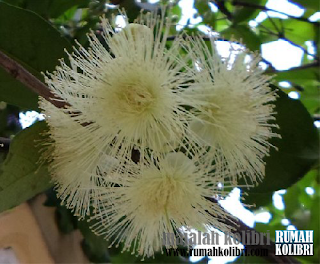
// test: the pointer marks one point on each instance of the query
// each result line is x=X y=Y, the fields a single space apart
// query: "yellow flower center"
x=135 y=98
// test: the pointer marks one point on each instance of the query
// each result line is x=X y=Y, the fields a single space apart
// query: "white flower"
x=76 y=166
x=128 y=94
x=122 y=97
x=132 y=96
x=233 y=104
x=156 y=199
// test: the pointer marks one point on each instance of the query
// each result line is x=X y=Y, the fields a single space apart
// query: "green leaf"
x=202 y=6
x=297 y=150
x=177 y=11
x=15 y=93
x=314 y=224
x=32 y=41
x=307 y=80
x=244 y=33
x=296 y=31
x=21 y=175
x=243 y=13
x=297 y=74
x=291 y=199
x=310 y=98
x=204 y=10
x=58 y=7
x=95 y=247
x=47 y=8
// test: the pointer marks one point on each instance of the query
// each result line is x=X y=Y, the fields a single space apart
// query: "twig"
x=4 y=144
x=268 y=63
x=255 y=6
x=18 y=72
x=239 y=226
x=302 y=67
x=300 y=47
x=280 y=33
x=223 y=9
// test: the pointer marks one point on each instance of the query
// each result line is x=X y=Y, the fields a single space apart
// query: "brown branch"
x=255 y=6
x=18 y=72
x=240 y=227
x=279 y=31
x=270 y=66
x=4 y=144
x=300 y=47
x=221 y=5
x=302 y=67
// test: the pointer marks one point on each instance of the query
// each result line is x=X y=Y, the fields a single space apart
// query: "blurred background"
x=286 y=33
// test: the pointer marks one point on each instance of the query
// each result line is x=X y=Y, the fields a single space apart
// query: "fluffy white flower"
x=131 y=97
x=156 y=199
x=76 y=166
x=233 y=103
x=124 y=97
x=129 y=93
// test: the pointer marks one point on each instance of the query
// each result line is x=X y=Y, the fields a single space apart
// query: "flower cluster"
x=233 y=109
x=150 y=133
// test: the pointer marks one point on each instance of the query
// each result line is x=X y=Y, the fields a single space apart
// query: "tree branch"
x=18 y=72
x=255 y=6
x=268 y=63
x=302 y=67
x=220 y=4
x=239 y=226
x=300 y=47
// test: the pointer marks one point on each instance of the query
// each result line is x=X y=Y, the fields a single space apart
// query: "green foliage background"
x=35 y=33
